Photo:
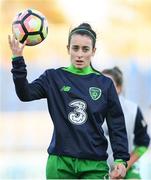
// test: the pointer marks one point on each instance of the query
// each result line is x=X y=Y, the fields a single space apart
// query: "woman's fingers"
x=16 y=42
x=13 y=41
x=15 y=45
x=118 y=172
x=9 y=41
x=23 y=45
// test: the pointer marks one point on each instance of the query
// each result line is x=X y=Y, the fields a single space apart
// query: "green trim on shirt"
x=15 y=57
x=83 y=71
x=120 y=161
x=140 y=150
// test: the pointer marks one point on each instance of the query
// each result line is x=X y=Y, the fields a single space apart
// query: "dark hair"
x=83 y=29
x=116 y=73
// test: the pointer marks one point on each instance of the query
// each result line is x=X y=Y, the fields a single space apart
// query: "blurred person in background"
x=79 y=99
x=136 y=126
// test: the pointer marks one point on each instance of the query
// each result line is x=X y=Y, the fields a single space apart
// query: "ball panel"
x=20 y=16
x=33 y=39
x=37 y=13
x=32 y=23
x=18 y=31
x=45 y=28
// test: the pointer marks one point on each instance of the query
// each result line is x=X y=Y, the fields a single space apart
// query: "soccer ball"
x=30 y=25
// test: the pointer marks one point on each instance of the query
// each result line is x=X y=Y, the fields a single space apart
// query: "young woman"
x=138 y=138
x=79 y=99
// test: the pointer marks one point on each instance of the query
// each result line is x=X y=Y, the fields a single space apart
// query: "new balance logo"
x=65 y=88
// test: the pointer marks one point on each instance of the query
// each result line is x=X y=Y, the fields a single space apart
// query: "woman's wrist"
x=14 y=57
x=121 y=161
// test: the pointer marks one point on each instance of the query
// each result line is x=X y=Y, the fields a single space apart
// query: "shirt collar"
x=84 y=71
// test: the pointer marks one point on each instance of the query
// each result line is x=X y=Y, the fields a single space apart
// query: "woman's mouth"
x=79 y=62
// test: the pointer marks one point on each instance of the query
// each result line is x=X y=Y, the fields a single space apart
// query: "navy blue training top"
x=78 y=105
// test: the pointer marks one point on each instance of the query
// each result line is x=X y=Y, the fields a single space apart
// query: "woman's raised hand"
x=15 y=46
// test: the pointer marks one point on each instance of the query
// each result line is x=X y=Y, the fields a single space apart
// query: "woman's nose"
x=80 y=54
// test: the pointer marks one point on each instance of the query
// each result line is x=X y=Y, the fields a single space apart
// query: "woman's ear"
x=118 y=89
x=68 y=49
x=94 y=50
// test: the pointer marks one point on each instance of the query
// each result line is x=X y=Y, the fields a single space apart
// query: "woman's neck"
x=80 y=71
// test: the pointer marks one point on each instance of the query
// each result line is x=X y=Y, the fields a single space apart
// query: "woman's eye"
x=85 y=49
x=75 y=48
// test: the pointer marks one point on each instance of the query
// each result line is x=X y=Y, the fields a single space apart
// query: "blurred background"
x=124 y=40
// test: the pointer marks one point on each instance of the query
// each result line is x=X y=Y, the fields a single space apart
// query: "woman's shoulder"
x=105 y=79
x=52 y=70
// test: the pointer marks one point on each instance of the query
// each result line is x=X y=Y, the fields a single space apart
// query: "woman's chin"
x=79 y=66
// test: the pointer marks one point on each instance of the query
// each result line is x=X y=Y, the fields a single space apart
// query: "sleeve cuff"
x=120 y=161
x=14 y=58
x=18 y=62
x=140 y=150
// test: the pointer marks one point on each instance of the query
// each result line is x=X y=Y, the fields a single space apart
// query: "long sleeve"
x=116 y=126
x=141 y=137
x=27 y=91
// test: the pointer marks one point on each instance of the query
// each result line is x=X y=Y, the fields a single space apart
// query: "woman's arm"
x=26 y=91
x=141 y=138
x=117 y=133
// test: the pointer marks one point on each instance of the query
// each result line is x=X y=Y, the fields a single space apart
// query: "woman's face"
x=81 y=50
